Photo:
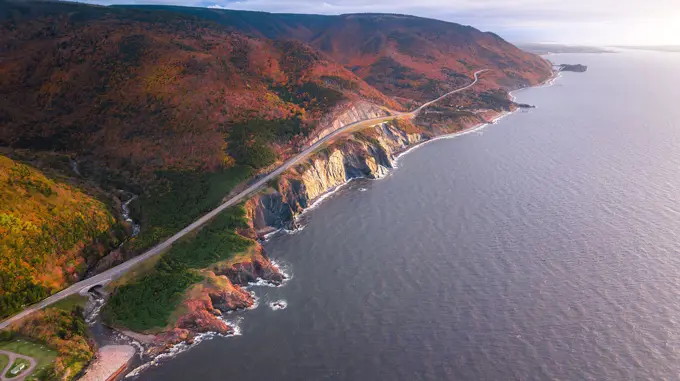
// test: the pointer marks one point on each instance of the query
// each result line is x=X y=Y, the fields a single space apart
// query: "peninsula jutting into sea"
x=162 y=165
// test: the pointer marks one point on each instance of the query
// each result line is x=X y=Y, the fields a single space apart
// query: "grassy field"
x=17 y=362
x=46 y=226
x=70 y=302
x=43 y=355
x=4 y=360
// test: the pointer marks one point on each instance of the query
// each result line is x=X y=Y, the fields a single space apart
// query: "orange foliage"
x=44 y=226
x=136 y=92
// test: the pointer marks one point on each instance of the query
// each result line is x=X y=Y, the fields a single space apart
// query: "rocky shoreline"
x=207 y=303
x=371 y=153
x=369 y=157
x=225 y=287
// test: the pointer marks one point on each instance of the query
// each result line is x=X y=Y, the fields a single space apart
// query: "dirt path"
x=12 y=357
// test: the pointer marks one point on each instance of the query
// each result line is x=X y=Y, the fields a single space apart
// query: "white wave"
x=362 y=189
x=298 y=229
x=447 y=136
x=552 y=80
x=278 y=305
x=125 y=339
x=235 y=325
x=184 y=346
x=498 y=118
x=548 y=83
x=139 y=346
x=172 y=352
x=271 y=234
x=284 y=269
x=324 y=196
x=261 y=283
x=256 y=301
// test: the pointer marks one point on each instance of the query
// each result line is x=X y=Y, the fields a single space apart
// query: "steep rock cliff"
x=345 y=114
x=221 y=291
x=366 y=154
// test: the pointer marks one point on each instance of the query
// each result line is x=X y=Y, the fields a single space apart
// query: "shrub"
x=129 y=305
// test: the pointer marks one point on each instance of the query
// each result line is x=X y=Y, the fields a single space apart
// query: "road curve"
x=12 y=357
x=117 y=271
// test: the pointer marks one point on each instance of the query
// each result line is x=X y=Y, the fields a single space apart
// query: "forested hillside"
x=49 y=232
x=407 y=57
x=181 y=105
x=140 y=91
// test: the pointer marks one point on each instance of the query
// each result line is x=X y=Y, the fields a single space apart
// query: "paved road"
x=12 y=357
x=119 y=270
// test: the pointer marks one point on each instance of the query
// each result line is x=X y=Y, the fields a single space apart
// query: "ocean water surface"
x=543 y=247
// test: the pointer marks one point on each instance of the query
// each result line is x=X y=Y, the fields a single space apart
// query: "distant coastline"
x=659 y=48
x=541 y=49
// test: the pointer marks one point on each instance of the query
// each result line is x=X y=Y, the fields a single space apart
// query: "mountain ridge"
x=183 y=106
x=425 y=50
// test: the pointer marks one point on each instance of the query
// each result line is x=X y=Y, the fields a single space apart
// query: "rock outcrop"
x=366 y=154
x=257 y=268
x=222 y=291
x=575 y=68
x=345 y=114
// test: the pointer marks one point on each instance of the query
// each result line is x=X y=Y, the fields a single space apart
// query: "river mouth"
x=541 y=247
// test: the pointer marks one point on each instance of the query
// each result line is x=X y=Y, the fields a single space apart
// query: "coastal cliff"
x=222 y=290
x=344 y=114
x=185 y=106
x=370 y=153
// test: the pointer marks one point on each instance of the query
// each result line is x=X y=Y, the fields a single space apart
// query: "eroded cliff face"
x=369 y=153
x=345 y=114
x=222 y=290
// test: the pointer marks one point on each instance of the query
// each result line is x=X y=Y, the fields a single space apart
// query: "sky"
x=588 y=22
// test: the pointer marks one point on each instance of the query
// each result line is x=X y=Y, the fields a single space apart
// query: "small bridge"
x=96 y=289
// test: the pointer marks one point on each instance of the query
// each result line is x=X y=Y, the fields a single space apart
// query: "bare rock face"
x=250 y=271
x=198 y=319
x=370 y=155
x=231 y=298
x=201 y=317
x=221 y=292
x=345 y=114
x=169 y=338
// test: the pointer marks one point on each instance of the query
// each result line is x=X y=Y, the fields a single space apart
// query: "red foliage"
x=136 y=91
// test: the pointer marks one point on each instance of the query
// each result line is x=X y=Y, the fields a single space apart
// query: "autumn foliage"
x=141 y=91
x=65 y=331
x=406 y=57
x=180 y=105
x=47 y=231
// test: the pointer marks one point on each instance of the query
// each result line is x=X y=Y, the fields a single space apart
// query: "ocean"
x=541 y=247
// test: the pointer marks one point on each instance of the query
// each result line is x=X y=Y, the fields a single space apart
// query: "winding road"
x=115 y=272
x=13 y=357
